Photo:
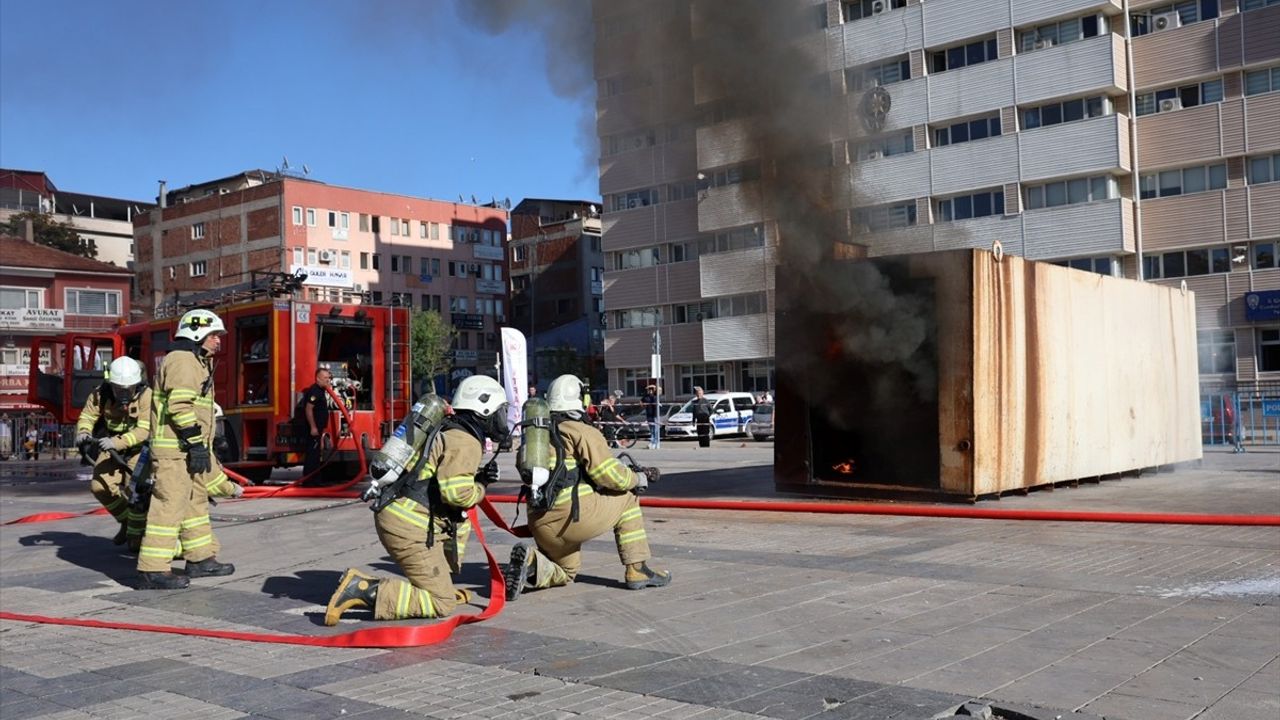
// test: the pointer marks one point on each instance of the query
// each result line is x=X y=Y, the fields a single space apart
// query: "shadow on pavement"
x=92 y=552
x=742 y=483
x=310 y=586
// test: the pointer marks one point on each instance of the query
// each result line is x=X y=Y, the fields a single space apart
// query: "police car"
x=730 y=413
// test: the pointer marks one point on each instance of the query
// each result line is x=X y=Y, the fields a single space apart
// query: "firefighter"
x=426 y=522
x=185 y=471
x=604 y=491
x=117 y=417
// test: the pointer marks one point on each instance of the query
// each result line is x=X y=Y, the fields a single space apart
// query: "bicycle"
x=622 y=433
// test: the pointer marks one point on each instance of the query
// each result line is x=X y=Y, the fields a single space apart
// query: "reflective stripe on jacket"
x=177 y=402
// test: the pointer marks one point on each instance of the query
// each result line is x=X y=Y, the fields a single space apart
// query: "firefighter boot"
x=122 y=535
x=161 y=581
x=516 y=573
x=355 y=590
x=462 y=597
x=640 y=575
x=209 y=567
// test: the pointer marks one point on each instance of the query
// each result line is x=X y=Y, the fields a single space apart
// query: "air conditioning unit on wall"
x=1044 y=43
x=879 y=6
x=1165 y=21
x=326 y=256
x=1170 y=104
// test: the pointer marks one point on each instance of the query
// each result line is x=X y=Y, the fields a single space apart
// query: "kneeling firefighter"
x=423 y=482
x=576 y=490
x=114 y=425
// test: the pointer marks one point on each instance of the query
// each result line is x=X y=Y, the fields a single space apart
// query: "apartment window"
x=333 y=219
x=197 y=231
x=967 y=131
x=637 y=317
x=344 y=260
x=298 y=255
x=1256 y=4
x=1060 y=33
x=364 y=222
x=857 y=79
x=93 y=302
x=18 y=298
x=1185 y=96
x=1182 y=182
x=422 y=230
x=1261 y=81
x=708 y=376
x=624 y=83
x=395 y=226
x=886 y=217
x=1065 y=111
x=364 y=261
x=565 y=306
x=311 y=256
x=1071 y=192
x=311 y=217
x=595 y=243
x=435 y=266
x=199 y=268
x=743 y=238
x=634 y=382
x=1188 y=12
x=425 y=267
x=297 y=215
x=886 y=146
x=344 y=221
x=977 y=205
x=376 y=296
x=731 y=175
x=642 y=257
x=683 y=252
x=1100 y=265
x=406 y=264
x=633 y=199
x=693 y=312
x=1264 y=169
x=681 y=191
x=173 y=272
x=404 y=228
x=458 y=303
x=733 y=306
x=377 y=260
x=628 y=141
x=953 y=58
x=435 y=231
x=757 y=376
x=1264 y=256
x=1268 y=349
x=520 y=253
x=1188 y=263
x=1217 y=351
x=851 y=10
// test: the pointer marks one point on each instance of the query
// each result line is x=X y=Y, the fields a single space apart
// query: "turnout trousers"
x=178 y=521
x=110 y=486
x=427 y=589
x=559 y=555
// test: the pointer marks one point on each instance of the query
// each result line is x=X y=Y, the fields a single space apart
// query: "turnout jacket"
x=183 y=397
x=587 y=450
x=128 y=426
x=453 y=461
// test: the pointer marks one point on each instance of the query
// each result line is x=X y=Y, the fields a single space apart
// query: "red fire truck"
x=270 y=354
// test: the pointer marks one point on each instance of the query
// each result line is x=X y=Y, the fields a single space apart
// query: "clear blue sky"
x=400 y=96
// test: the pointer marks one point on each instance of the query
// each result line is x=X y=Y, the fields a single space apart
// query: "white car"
x=730 y=414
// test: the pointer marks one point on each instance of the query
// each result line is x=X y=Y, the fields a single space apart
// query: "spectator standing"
x=650 y=402
x=701 y=409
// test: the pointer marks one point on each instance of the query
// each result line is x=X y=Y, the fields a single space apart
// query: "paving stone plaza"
x=769 y=614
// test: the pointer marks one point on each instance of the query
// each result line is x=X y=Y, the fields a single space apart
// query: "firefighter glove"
x=642 y=483
x=489 y=474
x=198 y=458
x=106 y=444
x=237 y=490
x=82 y=438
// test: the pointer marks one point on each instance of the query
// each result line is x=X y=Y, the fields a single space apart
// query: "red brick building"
x=45 y=292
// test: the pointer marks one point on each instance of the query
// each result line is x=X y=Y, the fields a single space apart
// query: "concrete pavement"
x=769 y=615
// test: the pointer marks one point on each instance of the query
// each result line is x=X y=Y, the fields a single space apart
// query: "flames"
x=845 y=468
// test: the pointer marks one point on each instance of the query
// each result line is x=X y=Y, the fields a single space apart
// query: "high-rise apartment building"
x=1137 y=139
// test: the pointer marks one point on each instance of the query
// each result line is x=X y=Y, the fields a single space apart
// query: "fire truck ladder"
x=397 y=347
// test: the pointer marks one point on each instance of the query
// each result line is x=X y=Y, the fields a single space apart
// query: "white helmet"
x=565 y=394
x=480 y=394
x=197 y=324
x=125 y=372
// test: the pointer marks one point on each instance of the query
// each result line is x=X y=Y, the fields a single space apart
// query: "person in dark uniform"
x=315 y=415
x=702 y=417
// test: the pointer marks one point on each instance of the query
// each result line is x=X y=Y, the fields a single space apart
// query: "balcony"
x=729 y=206
x=973 y=165
x=970 y=90
x=898 y=177
x=1025 y=12
x=1087 y=147
x=625 y=229
x=881 y=36
x=1096 y=228
x=742 y=336
x=725 y=143
x=950 y=21
x=1095 y=65
x=740 y=271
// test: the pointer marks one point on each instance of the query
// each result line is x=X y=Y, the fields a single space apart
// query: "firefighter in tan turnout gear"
x=421 y=519
x=185 y=471
x=117 y=417
x=595 y=493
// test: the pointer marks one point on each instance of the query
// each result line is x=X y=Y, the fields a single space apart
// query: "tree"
x=432 y=339
x=50 y=232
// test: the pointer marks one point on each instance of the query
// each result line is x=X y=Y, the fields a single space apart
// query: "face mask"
x=123 y=395
x=497 y=428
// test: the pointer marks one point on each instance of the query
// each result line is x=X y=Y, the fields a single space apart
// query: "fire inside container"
x=962 y=374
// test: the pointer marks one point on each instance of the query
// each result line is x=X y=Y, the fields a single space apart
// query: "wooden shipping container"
x=1010 y=374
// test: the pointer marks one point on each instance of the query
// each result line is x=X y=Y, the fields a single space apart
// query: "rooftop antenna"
x=285 y=166
x=473 y=199
x=306 y=170
x=506 y=203
x=460 y=198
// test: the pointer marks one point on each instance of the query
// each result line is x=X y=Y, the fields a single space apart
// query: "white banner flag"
x=515 y=375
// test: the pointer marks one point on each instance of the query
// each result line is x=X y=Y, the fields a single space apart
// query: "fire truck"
x=271 y=352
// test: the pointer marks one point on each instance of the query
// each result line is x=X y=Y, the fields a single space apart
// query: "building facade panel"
x=628 y=170
x=1262 y=129
x=950 y=21
x=627 y=111
x=909 y=104
x=1231 y=118
x=1087 y=66
x=738 y=272
x=970 y=90
x=1170 y=139
x=1183 y=221
x=1236 y=201
x=1089 y=229
x=633 y=228
x=1025 y=12
x=1086 y=147
x=725 y=143
x=875 y=38
x=898 y=177
x=681 y=281
x=900 y=242
x=636 y=287
x=974 y=165
x=682 y=343
x=1161 y=58
x=1260 y=35
x=1212 y=295
x=979 y=233
x=679 y=220
x=1264 y=211
x=628 y=347
x=731 y=338
x=730 y=206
